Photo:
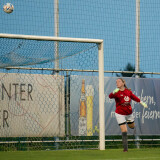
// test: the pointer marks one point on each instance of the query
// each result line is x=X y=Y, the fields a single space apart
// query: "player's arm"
x=112 y=95
x=135 y=98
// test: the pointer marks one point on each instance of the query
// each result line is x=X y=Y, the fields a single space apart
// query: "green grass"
x=109 y=154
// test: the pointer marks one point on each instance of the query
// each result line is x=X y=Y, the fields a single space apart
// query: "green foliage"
x=130 y=67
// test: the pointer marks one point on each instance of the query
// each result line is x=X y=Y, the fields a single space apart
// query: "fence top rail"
x=50 y=38
x=78 y=70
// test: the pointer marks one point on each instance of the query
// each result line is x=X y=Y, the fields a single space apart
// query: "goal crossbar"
x=49 y=38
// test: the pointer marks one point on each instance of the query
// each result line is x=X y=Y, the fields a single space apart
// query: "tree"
x=129 y=67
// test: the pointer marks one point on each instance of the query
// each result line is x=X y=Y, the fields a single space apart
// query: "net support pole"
x=56 y=45
x=101 y=99
x=67 y=105
x=56 y=33
x=137 y=35
x=137 y=52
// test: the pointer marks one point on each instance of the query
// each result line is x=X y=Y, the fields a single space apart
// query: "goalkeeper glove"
x=116 y=90
x=144 y=104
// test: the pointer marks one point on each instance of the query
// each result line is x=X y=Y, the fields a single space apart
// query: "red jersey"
x=123 y=99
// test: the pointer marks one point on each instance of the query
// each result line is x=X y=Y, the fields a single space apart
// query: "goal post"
x=101 y=99
x=41 y=49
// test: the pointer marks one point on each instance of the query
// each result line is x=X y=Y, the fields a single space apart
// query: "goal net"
x=52 y=91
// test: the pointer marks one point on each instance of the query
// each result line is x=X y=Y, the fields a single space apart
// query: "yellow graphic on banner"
x=89 y=99
x=82 y=112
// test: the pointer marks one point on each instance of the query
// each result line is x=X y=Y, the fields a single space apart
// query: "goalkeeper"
x=123 y=112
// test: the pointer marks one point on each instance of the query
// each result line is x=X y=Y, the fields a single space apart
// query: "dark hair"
x=124 y=83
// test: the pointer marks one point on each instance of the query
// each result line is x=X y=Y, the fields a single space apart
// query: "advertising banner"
x=31 y=105
x=147 y=120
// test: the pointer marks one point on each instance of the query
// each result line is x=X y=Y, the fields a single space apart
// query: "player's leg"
x=130 y=122
x=131 y=125
x=123 y=128
x=122 y=123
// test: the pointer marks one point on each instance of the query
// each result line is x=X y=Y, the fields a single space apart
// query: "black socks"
x=125 y=141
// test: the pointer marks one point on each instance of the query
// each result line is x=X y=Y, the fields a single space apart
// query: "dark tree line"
x=129 y=67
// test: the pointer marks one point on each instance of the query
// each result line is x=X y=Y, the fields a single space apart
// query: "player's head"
x=120 y=82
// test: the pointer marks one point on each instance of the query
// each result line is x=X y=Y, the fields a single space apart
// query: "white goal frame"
x=100 y=70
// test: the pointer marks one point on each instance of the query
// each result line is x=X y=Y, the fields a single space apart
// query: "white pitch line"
x=132 y=158
x=145 y=158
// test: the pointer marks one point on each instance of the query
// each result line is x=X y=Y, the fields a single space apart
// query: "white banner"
x=31 y=105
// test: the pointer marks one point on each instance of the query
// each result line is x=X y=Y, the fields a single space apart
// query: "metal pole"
x=67 y=105
x=56 y=33
x=137 y=35
x=56 y=47
x=137 y=52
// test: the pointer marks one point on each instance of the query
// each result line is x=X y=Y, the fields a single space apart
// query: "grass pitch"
x=109 y=154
